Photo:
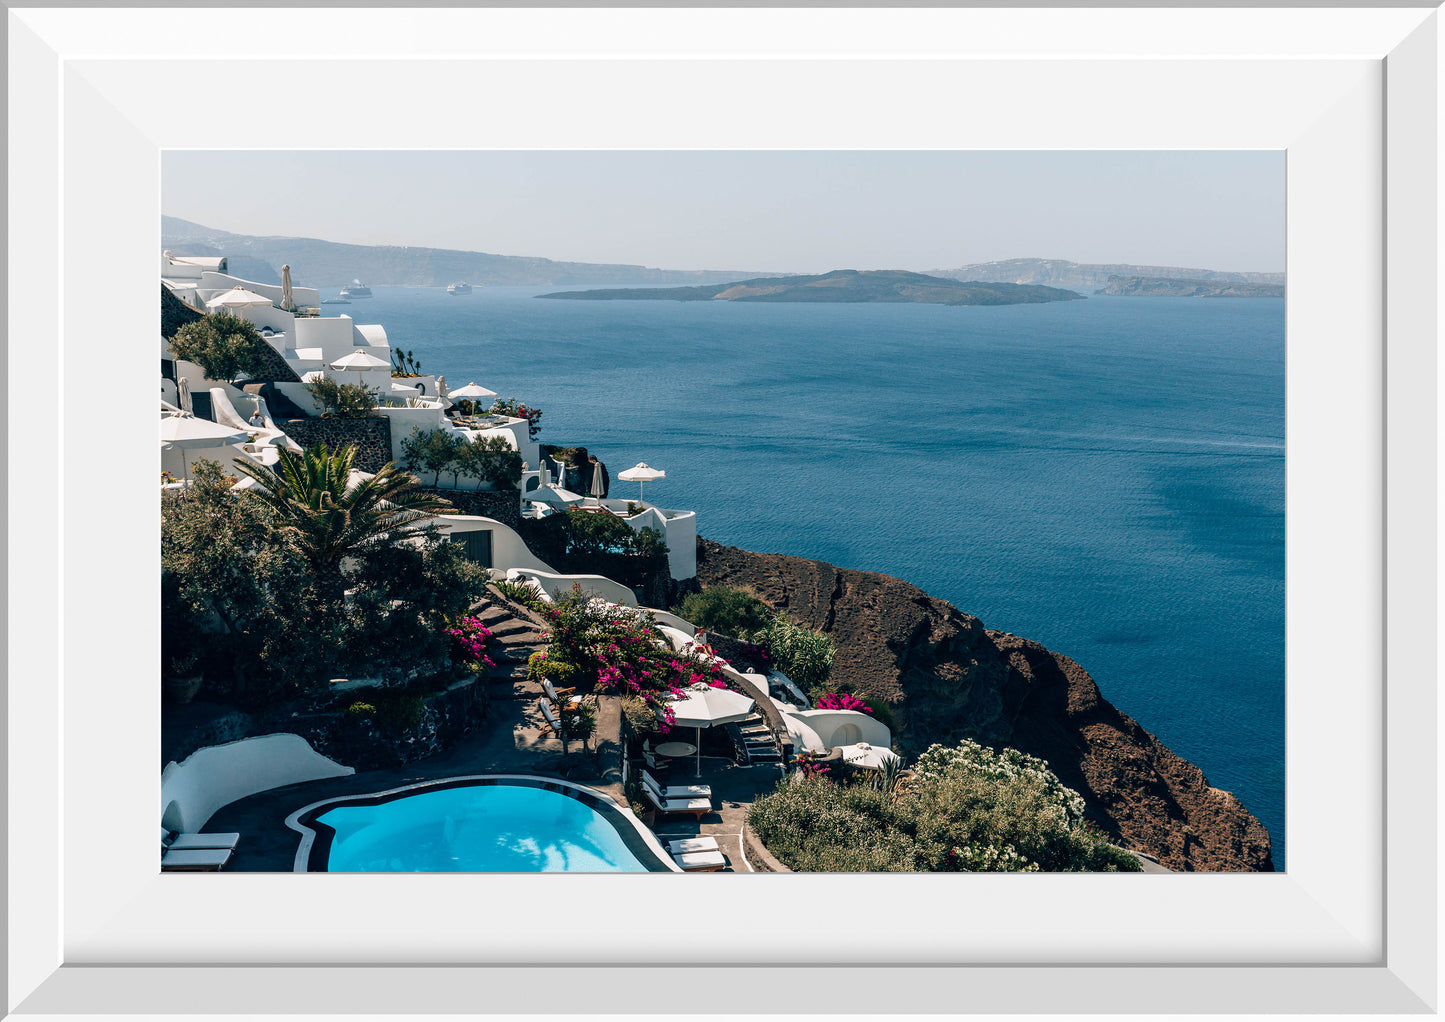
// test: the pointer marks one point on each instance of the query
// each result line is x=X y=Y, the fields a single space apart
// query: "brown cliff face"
x=946 y=678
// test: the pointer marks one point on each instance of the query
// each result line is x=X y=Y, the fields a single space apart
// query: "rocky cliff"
x=947 y=677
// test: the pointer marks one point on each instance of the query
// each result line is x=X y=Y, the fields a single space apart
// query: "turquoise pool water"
x=480 y=828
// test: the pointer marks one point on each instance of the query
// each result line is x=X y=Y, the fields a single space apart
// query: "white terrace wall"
x=599 y=585
x=192 y=791
x=845 y=727
x=508 y=549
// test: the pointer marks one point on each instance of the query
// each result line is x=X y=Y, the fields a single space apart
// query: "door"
x=477 y=546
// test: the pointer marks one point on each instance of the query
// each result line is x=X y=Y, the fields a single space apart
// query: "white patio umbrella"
x=286 y=302
x=555 y=495
x=183 y=395
x=867 y=757
x=187 y=433
x=360 y=360
x=472 y=392
x=705 y=706
x=641 y=473
x=236 y=299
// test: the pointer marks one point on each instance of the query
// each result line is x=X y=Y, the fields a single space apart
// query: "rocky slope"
x=947 y=677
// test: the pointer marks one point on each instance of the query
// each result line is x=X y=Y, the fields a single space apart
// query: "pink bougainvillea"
x=469 y=641
x=841 y=701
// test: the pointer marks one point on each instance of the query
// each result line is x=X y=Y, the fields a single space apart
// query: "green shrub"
x=399 y=711
x=520 y=592
x=803 y=655
x=545 y=664
x=360 y=709
x=966 y=808
x=586 y=543
x=342 y=400
x=223 y=345
x=725 y=609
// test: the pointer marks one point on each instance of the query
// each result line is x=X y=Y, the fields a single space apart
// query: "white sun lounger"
x=677 y=790
x=199 y=860
x=193 y=842
x=692 y=844
x=696 y=806
x=701 y=862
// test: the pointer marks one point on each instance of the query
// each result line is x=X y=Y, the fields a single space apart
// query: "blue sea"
x=1103 y=476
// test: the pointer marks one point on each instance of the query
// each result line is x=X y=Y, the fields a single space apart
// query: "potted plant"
x=183 y=675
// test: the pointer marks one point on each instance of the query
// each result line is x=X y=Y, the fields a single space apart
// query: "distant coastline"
x=1184 y=288
x=840 y=286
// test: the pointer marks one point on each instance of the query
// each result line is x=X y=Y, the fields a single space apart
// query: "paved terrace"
x=512 y=740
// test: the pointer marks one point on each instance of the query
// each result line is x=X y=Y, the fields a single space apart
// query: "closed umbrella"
x=641 y=473
x=286 y=302
x=236 y=299
x=183 y=395
x=187 y=433
x=705 y=706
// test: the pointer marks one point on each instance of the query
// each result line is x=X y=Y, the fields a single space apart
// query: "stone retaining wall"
x=371 y=436
x=503 y=505
x=358 y=742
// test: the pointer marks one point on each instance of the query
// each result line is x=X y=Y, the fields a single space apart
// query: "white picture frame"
x=97 y=94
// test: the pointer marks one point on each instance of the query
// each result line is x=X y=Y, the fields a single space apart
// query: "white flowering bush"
x=967 y=808
x=939 y=761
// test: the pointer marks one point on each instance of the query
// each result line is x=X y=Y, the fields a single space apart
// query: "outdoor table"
x=675 y=750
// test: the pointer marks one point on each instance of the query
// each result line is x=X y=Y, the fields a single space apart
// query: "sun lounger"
x=193 y=842
x=549 y=716
x=678 y=806
x=562 y=698
x=677 y=790
x=198 y=860
x=701 y=862
x=692 y=844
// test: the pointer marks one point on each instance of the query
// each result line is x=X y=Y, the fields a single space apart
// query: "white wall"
x=598 y=585
x=837 y=727
x=192 y=791
x=678 y=528
x=508 y=549
x=301 y=297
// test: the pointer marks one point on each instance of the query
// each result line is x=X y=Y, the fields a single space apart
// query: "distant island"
x=840 y=286
x=318 y=263
x=1180 y=288
x=1063 y=273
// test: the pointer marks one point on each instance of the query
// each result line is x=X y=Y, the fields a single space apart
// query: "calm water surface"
x=1105 y=476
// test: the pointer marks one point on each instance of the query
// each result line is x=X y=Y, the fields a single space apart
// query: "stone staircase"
x=516 y=636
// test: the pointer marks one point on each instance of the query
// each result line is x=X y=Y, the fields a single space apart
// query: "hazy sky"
x=800 y=211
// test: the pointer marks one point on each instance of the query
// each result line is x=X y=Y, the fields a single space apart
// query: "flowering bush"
x=469 y=638
x=514 y=408
x=622 y=651
x=841 y=701
x=966 y=808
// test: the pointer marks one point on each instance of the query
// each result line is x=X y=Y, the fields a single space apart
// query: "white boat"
x=356 y=289
x=334 y=301
x=461 y=287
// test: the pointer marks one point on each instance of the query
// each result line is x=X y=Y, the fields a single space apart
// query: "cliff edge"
x=946 y=677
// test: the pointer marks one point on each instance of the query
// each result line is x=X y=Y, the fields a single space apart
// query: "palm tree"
x=328 y=516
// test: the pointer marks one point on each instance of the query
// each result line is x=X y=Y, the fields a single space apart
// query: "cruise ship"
x=356 y=289
x=461 y=287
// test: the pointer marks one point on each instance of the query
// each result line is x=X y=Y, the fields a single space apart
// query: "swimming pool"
x=485 y=824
